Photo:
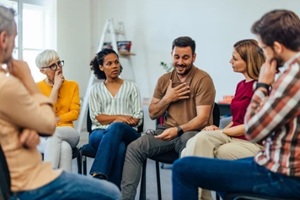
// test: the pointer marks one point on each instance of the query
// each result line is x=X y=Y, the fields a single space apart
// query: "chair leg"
x=158 y=180
x=143 y=182
x=84 y=163
x=217 y=196
x=79 y=163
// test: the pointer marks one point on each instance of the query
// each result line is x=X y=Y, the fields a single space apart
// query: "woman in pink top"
x=230 y=142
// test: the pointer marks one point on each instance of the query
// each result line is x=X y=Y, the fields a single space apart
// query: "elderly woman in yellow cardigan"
x=65 y=97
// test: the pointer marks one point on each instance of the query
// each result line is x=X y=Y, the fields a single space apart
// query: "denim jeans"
x=71 y=186
x=111 y=148
x=224 y=176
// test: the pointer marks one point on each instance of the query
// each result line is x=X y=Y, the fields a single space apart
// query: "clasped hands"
x=127 y=119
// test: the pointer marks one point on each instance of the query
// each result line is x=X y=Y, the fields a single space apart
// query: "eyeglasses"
x=54 y=66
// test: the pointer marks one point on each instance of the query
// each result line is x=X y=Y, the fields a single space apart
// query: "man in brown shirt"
x=185 y=97
x=25 y=112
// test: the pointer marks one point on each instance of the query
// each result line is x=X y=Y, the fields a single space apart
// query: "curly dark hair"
x=98 y=60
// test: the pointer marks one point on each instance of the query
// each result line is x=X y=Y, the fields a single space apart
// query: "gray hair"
x=44 y=58
x=7 y=20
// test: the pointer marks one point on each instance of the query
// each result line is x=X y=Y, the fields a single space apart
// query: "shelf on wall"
x=125 y=53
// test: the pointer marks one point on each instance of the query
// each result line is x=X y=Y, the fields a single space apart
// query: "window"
x=36 y=22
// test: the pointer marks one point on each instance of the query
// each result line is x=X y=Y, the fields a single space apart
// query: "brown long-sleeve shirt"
x=18 y=110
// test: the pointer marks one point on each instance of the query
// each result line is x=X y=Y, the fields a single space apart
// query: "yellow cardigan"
x=67 y=106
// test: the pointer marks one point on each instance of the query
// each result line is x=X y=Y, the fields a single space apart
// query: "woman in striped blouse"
x=116 y=112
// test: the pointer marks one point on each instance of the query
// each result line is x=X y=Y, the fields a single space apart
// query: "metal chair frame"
x=167 y=158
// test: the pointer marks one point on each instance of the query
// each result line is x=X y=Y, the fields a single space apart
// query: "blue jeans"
x=71 y=186
x=111 y=146
x=225 y=176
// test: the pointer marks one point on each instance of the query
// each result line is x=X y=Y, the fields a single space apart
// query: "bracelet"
x=179 y=131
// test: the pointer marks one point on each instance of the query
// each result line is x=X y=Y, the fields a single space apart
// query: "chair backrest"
x=216 y=115
x=4 y=177
x=88 y=121
x=140 y=128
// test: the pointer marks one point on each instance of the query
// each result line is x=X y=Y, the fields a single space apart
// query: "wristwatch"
x=179 y=131
x=263 y=85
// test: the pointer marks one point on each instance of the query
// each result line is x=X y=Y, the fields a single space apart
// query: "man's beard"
x=186 y=67
x=279 y=61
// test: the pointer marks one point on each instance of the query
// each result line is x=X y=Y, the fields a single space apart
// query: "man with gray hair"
x=25 y=112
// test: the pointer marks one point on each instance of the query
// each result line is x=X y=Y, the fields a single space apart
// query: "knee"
x=137 y=146
x=117 y=129
x=199 y=139
x=116 y=126
x=95 y=138
x=66 y=148
x=180 y=167
x=133 y=147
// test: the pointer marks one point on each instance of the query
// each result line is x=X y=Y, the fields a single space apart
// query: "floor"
x=151 y=185
x=151 y=189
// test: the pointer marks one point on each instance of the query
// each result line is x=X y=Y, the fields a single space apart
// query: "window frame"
x=49 y=26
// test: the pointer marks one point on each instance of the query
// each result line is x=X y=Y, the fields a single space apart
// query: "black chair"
x=75 y=154
x=88 y=150
x=241 y=196
x=167 y=158
x=4 y=177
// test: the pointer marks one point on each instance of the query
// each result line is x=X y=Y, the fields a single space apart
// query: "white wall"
x=74 y=39
x=215 y=25
x=152 y=25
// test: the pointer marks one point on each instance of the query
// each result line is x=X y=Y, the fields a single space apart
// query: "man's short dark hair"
x=184 y=41
x=281 y=26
